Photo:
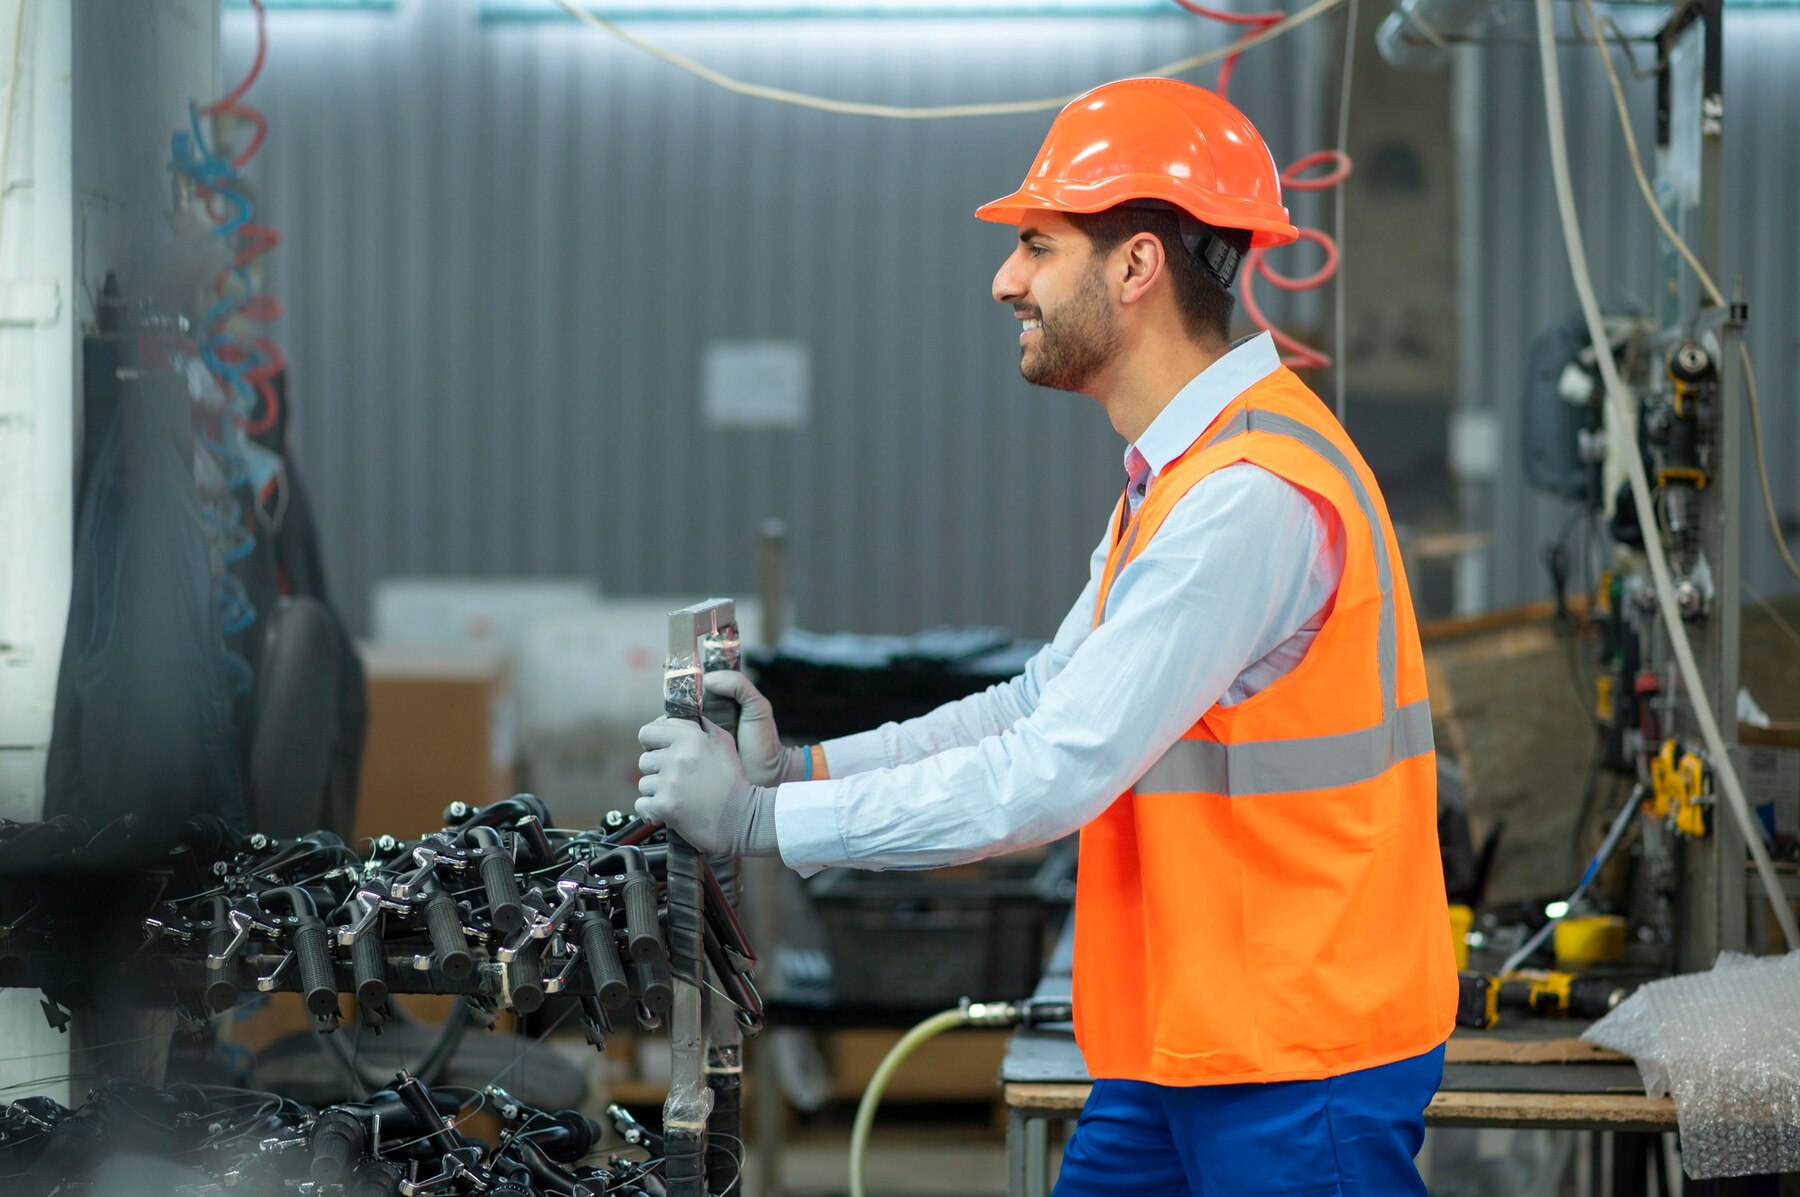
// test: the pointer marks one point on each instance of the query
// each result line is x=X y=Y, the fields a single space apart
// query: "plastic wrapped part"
x=723 y=648
x=1726 y=1045
x=688 y=1105
x=681 y=688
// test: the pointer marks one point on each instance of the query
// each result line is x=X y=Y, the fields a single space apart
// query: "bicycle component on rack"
x=577 y=917
x=623 y=922
x=402 y=1140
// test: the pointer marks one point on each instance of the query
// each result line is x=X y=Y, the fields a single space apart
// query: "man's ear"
x=1143 y=261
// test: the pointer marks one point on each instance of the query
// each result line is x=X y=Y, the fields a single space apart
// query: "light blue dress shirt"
x=1226 y=598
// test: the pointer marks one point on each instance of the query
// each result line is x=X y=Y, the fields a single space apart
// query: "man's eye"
x=1036 y=251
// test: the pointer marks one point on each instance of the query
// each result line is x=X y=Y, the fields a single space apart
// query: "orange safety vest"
x=1267 y=902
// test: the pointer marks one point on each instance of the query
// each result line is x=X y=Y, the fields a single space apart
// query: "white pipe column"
x=38 y=385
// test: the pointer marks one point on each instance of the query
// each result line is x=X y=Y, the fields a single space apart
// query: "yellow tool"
x=1560 y=994
x=1590 y=939
x=1678 y=783
x=1462 y=918
x=1480 y=996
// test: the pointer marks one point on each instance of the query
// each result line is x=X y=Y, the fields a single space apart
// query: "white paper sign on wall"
x=756 y=384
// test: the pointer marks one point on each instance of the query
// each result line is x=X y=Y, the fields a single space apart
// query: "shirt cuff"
x=863 y=752
x=806 y=826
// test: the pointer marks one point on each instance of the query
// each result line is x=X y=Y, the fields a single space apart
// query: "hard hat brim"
x=1267 y=223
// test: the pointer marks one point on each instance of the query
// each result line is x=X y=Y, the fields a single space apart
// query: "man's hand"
x=767 y=762
x=694 y=784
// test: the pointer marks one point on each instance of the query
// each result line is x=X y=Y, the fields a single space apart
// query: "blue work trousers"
x=1348 y=1136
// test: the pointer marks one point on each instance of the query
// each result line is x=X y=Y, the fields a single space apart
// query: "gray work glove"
x=694 y=784
x=767 y=762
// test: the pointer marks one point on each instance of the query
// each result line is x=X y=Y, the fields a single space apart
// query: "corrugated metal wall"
x=507 y=243
x=1522 y=276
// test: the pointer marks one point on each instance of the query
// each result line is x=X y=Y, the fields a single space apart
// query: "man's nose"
x=1008 y=287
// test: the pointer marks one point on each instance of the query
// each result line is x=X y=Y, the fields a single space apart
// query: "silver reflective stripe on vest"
x=1310 y=762
x=1291 y=766
x=1124 y=555
x=1251 y=420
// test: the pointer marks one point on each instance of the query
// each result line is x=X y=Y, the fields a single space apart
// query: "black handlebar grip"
x=338 y=1141
x=221 y=991
x=643 y=930
x=570 y=1136
x=504 y=907
x=684 y=1166
x=374 y=1179
x=525 y=978
x=318 y=980
x=448 y=943
x=370 y=969
x=443 y=1139
x=604 y=967
x=654 y=987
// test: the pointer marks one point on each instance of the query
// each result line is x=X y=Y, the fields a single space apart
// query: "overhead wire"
x=1263 y=27
x=1701 y=275
x=782 y=95
x=1689 y=668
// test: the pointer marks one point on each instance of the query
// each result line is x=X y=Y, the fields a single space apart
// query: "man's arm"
x=974 y=718
x=1232 y=575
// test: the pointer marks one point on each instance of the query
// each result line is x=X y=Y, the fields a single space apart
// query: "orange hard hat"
x=1157 y=140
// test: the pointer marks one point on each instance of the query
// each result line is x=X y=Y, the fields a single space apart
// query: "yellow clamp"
x=1679 y=786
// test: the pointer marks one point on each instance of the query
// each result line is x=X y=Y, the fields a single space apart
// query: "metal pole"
x=721 y=648
x=690 y=1101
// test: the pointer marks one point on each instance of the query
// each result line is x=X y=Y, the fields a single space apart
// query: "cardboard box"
x=441 y=730
x=1769 y=766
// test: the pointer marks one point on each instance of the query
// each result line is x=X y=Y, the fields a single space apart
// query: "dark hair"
x=1206 y=307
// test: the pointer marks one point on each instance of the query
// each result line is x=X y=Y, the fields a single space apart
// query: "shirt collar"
x=1196 y=405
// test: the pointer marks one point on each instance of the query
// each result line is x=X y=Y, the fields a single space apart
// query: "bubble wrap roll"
x=1726 y=1045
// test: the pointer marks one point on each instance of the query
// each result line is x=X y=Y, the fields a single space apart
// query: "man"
x=1233 y=714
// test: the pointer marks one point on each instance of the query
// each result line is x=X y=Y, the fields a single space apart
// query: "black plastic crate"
x=824 y=686
x=926 y=940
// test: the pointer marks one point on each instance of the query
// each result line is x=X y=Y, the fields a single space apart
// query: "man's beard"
x=1075 y=342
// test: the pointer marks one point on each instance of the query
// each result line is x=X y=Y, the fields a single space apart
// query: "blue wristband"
x=807 y=749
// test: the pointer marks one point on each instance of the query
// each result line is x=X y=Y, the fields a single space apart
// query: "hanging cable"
x=1299 y=356
x=782 y=95
x=1620 y=407
x=243 y=366
x=1705 y=279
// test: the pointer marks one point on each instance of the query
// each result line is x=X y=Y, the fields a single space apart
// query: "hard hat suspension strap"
x=1205 y=244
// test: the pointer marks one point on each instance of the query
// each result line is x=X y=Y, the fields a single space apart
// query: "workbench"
x=1536 y=1074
